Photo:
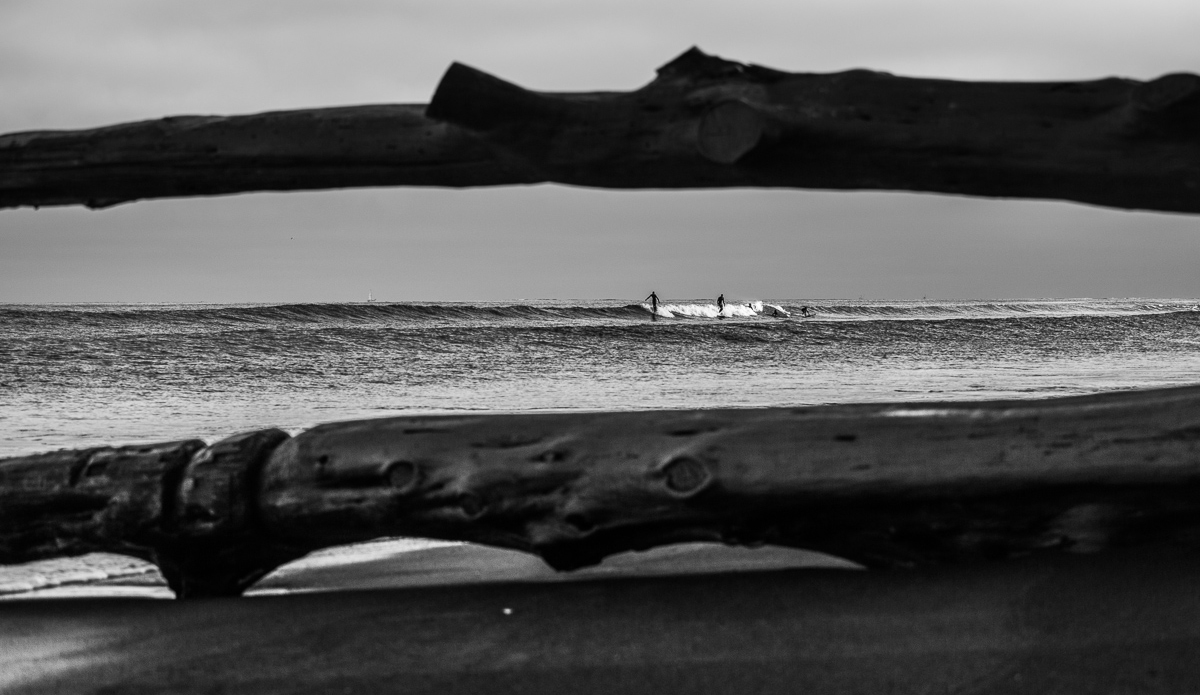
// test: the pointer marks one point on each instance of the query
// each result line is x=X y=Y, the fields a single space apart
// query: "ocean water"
x=88 y=375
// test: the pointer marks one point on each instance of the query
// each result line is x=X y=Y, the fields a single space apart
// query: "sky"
x=86 y=63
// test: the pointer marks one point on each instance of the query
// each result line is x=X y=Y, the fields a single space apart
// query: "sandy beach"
x=463 y=620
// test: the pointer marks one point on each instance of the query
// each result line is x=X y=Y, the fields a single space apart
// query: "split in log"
x=704 y=122
x=882 y=484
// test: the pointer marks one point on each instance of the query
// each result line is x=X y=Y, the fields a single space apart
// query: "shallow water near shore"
x=91 y=375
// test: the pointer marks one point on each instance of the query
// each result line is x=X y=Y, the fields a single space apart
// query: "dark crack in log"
x=703 y=122
x=218 y=546
x=885 y=485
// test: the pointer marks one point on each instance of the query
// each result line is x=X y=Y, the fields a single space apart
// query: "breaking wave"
x=167 y=318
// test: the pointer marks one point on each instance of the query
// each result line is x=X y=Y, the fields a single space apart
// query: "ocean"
x=96 y=374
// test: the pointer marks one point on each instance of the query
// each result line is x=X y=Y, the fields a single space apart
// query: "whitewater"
x=101 y=374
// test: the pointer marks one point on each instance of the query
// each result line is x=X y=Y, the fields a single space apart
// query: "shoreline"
x=409 y=562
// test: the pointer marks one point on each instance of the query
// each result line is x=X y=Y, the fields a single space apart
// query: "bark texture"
x=703 y=122
x=885 y=485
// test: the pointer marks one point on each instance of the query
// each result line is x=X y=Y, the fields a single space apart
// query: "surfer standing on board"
x=720 y=305
x=653 y=299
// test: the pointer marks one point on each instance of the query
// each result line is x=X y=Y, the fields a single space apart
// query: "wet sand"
x=1113 y=622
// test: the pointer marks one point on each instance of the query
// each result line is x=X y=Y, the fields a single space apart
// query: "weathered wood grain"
x=75 y=502
x=885 y=485
x=703 y=122
x=189 y=508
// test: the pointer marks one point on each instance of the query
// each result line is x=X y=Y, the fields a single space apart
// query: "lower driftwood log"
x=880 y=484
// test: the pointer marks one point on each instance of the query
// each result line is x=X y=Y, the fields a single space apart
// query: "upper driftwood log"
x=880 y=484
x=702 y=122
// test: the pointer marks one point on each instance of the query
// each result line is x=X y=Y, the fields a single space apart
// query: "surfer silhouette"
x=721 y=305
x=653 y=299
x=804 y=311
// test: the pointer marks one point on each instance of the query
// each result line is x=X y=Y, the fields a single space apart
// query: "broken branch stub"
x=708 y=122
x=703 y=122
x=882 y=484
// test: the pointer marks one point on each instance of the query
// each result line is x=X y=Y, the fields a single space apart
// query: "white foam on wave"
x=710 y=311
x=660 y=312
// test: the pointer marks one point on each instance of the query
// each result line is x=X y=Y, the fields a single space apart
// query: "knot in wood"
x=402 y=475
x=471 y=505
x=685 y=476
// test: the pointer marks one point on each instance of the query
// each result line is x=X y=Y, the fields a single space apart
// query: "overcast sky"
x=84 y=63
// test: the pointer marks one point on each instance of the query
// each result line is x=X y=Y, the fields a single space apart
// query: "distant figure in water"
x=721 y=304
x=653 y=299
x=804 y=311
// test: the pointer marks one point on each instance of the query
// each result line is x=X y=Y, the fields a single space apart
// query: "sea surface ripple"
x=91 y=374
